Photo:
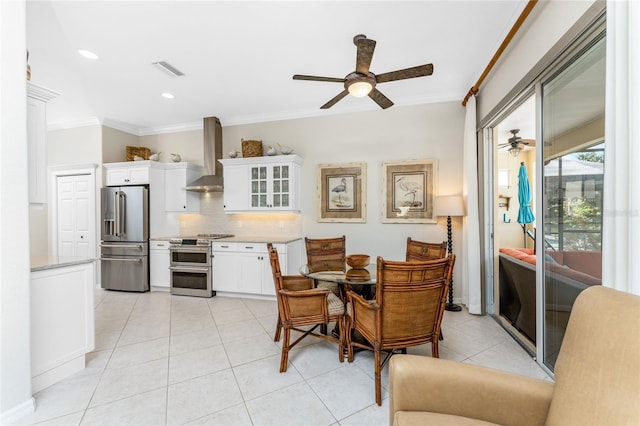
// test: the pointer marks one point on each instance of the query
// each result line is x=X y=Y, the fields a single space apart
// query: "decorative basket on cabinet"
x=251 y=148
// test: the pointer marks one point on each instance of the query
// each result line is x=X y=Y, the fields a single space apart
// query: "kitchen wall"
x=114 y=144
x=433 y=131
x=80 y=145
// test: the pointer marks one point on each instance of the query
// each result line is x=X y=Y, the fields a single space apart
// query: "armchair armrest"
x=359 y=302
x=305 y=303
x=418 y=383
x=297 y=282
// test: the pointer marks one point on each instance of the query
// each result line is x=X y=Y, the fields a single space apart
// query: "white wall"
x=80 y=145
x=432 y=131
x=545 y=26
x=187 y=144
x=15 y=360
x=114 y=144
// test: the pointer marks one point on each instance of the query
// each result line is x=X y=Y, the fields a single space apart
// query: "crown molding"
x=63 y=125
x=40 y=92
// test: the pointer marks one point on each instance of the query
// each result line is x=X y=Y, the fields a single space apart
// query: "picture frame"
x=409 y=191
x=342 y=192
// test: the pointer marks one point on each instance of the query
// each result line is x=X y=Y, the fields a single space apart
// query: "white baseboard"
x=16 y=413
x=58 y=373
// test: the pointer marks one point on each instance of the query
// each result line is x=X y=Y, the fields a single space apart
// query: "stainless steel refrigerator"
x=124 y=247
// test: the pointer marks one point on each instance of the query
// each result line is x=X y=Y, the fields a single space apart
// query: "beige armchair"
x=597 y=377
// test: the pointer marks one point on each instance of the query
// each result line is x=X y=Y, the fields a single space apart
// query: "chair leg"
x=276 y=338
x=323 y=329
x=435 y=353
x=376 y=357
x=341 y=341
x=347 y=339
x=284 y=359
x=440 y=336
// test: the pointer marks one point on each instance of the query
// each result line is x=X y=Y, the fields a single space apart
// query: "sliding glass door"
x=572 y=184
x=551 y=138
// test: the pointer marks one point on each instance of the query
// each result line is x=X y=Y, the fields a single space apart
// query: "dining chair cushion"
x=336 y=306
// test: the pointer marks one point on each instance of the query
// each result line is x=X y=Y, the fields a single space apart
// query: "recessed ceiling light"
x=87 y=54
x=167 y=95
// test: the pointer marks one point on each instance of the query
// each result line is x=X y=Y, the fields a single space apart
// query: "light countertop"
x=258 y=239
x=245 y=239
x=41 y=263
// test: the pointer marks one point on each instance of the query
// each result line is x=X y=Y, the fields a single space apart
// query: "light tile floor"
x=172 y=360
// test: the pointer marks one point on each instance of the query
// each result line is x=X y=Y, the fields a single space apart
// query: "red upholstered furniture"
x=571 y=271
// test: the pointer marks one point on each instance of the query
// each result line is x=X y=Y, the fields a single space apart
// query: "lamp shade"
x=450 y=205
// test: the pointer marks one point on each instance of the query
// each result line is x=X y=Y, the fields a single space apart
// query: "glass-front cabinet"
x=262 y=184
x=270 y=185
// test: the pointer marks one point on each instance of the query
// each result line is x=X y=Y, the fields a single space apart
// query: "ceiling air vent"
x=168 y=68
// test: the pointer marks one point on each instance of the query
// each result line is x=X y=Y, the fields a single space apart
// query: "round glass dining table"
x=352 y=276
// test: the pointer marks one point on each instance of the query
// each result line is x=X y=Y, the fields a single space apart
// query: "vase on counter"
x=176 y=158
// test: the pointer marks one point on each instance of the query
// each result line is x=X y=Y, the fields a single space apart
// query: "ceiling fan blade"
x=314 y=78
x=364 y=55
x=530 y=142
x=380 y=99
x=419 y=71
x=335 y=100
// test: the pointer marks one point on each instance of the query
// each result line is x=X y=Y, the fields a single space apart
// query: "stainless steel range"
x=190 y=269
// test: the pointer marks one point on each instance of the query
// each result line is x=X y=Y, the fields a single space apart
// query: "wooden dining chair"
x=407 y=310
x=326 y=254
x=301 y=305
x=418 y=250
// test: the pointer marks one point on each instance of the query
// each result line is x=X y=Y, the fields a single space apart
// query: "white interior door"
x=74 y=198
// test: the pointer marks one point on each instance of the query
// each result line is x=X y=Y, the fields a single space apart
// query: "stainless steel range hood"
x=211 y=180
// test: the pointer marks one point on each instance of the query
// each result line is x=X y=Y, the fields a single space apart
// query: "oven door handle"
x=137 y=246
x=122 y=259
x=188 y=269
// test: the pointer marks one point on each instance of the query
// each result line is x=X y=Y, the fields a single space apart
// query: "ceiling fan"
x=516 y=143
x=362 y=82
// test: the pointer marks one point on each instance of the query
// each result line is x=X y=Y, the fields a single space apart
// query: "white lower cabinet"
x=244 y=267
x=159 y=277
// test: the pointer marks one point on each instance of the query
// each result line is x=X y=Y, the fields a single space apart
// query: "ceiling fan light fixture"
x=360 y=89
x=515 y=150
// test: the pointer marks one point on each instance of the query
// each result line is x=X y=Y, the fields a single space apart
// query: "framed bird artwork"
x=342 y=192
x=408 y=191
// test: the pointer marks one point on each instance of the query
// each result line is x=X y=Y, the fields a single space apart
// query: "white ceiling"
x=239 y=57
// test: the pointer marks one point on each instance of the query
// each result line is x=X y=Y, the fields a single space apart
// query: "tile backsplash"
x=213 y=219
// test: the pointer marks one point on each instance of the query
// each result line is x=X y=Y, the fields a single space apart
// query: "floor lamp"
x=451 y=205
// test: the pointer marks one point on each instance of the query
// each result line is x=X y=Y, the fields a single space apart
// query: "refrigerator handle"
x=116 y=212
x=122 y=208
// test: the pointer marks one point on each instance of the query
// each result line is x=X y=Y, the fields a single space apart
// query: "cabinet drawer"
x=252 y=247
x=225 y=246
x=158 y=245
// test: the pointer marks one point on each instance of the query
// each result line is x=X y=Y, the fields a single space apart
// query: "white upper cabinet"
x=262 y=184
x=37 y=98
x=127 y=173
x=176 y=177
